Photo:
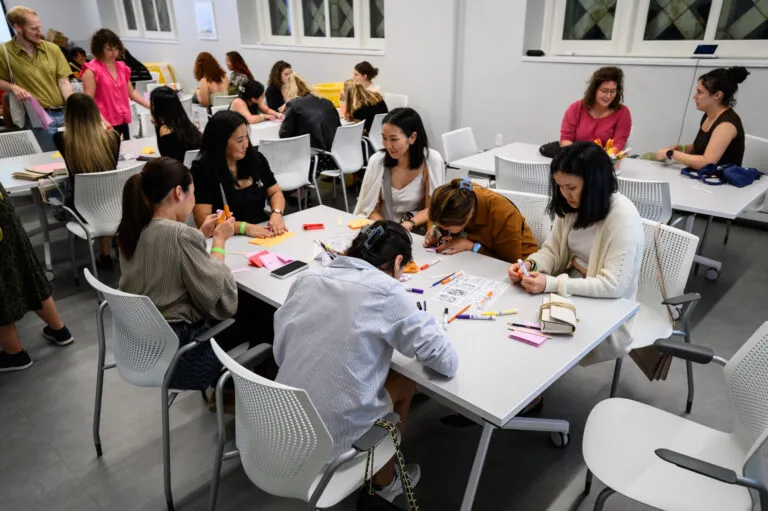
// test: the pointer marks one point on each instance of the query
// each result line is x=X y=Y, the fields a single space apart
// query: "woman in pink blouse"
x=600 y=114
x=108 y=81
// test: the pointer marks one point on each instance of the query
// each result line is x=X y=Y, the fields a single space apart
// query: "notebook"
x=42 y=171
x=557 y=314
x=528 y=338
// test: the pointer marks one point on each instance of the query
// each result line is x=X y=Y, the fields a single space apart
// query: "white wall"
x=77 y=19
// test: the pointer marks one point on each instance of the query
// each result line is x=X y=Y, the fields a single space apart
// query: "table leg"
x=477 y=467
x=43 y=216
x=715 y=266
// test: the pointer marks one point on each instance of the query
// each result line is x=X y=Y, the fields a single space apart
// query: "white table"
x=687 y=194
x=18 y=186
x=497 y=376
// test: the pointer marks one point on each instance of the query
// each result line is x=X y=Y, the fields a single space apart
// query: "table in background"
x=497 y=377
x=18 y=186
x=264 y=130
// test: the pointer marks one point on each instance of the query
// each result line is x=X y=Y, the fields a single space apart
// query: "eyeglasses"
x=610 y=92
x=445 y=233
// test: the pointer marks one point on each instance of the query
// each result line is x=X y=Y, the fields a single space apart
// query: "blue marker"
x=524 y=268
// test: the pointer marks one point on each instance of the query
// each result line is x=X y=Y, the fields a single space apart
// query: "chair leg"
x=600 y=502
x=298 y=195
x=93 y=257
x=99 y=379
x=221 y=440
x=616 y=375
x=344 y=192
x=588 y=482
x=166 y=447
x=727 y=232
x=689 y=371
x=74 y=261
x=314 y=182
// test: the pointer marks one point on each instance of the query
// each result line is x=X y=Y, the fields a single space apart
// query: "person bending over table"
x=250 y=104
x=362 y=104
x=400 y=179
x=228 y=160
x=600 y=114
x=87 y=147
x=165 y=259
x=720 y=139
x=344 y=364
x=213 y=80
x=23 y=288
x=466 y=217
x=596 y=244
x=174 y=131
x=278 y=79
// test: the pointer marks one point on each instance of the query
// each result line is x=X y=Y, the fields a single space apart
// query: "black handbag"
x=550 y=149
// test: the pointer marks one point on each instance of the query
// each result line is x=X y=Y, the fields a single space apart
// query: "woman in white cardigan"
x=400 y=179
x=596 y=244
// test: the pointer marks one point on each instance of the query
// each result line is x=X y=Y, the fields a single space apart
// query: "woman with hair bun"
x=720 y=139
x=365 y=73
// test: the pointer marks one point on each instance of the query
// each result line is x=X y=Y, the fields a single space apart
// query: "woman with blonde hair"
x=87 y=147
x=213 y=79
x=362 y=103
x=306 y=113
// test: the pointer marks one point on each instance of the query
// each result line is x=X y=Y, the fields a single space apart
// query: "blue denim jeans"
x=45 y=136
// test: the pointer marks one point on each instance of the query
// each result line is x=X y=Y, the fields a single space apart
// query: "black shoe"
x=456 y=420
x=105 y=263
x=60 y=337
x=14 y=362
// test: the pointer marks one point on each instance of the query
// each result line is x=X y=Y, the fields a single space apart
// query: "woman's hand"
x=515 y=275
x=209 y=225
x=535 y=284
x=277 y=224
x=257 y=231
x=431 y=238
x=224 y=230
x=661 y=154
x=269 y=117
x=455 y=245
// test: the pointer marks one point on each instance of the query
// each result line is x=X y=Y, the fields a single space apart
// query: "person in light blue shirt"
x=337 y=330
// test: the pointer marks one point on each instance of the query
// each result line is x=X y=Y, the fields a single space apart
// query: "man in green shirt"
x=39 y=70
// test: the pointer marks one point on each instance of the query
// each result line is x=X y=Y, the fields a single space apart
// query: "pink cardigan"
x=579 y=126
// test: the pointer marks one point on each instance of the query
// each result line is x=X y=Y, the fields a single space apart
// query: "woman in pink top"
x=600 y=114
x=108 y=81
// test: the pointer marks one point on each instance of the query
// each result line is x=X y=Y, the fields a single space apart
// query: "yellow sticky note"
x=359 y=223
x=147 y=150
x=56 y=155
x=271 y=242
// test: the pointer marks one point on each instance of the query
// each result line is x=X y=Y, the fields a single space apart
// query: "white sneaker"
x=395 y=488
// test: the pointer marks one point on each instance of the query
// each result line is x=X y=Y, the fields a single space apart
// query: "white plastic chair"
x=289 y=159
x=190 y=157
x=199 y=117
x=534 y=209
x=672 y=463
x=347 y=152
x=755 y=156
x=374 y=134
x=283 y=444
x=146 y=351
x=219 y=108
x=676 y=250
x=141 y=85
x=395 y=100
x=223 y=100
x=147 y=128
x=651 y=198
x=134 y=128
x=186 y=104
x=522 y=176
x=99 y=201
x=18 y=143
x=459 y=144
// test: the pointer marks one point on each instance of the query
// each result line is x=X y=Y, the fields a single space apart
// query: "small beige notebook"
x=557 y=314
x=42 y=171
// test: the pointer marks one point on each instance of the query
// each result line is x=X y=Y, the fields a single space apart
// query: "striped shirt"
x=173 y=268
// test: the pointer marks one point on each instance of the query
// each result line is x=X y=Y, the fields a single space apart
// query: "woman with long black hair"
x=175 y=132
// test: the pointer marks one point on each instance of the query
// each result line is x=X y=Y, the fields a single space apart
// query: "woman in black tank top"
x=250 y=104
x=720 y=139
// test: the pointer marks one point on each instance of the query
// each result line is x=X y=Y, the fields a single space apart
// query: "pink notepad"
x=532 y=339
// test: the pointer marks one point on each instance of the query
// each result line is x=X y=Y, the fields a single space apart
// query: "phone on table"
x=289 y=269
x=144 y=157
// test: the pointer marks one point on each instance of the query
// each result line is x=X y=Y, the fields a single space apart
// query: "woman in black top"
x=228 y=159
x=250 y=104
x=175 y=132
x=362 y=104
x=280 y=72
x=720 y=139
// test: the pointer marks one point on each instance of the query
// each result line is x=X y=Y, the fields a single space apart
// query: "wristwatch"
x=278 y=211
x=670 y=153
x=476 y=247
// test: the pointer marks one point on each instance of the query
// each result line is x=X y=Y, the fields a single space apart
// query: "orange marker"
x=460 y=312
x=226 y=214
x=451 y=277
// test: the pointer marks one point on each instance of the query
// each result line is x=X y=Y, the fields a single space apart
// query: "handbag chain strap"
x=407 y=488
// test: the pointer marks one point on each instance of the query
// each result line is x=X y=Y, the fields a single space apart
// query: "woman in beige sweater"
x=163 y=258
x=596 y=244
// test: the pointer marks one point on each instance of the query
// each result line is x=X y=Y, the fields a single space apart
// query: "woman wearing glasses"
x=600 y=114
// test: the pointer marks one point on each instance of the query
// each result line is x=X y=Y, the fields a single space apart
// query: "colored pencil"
x=462 y=311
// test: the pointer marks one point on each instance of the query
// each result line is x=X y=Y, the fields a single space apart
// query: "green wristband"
x=242 y=228
x=682 y=148
x=218 y=250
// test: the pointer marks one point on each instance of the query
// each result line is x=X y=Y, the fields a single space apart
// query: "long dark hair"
x=166 y=108
x=726 y=81
x=275 y=75
x=142 y=192
x=238 y=64
x=409 y=121
x=589 y=161
x=213 y=153
x=380 y=243
x=251 y=90
x=599 y=77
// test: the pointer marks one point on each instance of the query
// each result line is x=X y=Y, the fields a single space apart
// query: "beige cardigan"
x=612 y=272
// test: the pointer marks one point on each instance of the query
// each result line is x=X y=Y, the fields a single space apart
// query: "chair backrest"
x=534 y=209
x=99 y=198
x=219 y=108
x=262 y=131
x=190 y=157
x=676 y=249
x=282 y=440
x=651 y=198
x=755 y=153
x=18 y=143
x=145 y=121
x=347 y=147
x=374 y=134
x=143 y=344
x=395 y=100
x=186 y=104
x=522 y=176
x=288 y=156
x=223 y=100
x=141 y=85
x=459 y=144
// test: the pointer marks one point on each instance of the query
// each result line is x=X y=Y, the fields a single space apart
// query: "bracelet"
x=262 y=117
x=476 y=247
x=533 y=264
x=682 y=148
x=218 y=250
x=242 y=228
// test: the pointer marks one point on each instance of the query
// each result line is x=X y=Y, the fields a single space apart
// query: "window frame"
x=142 y=31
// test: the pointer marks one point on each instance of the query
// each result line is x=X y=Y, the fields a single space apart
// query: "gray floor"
x=47 y=460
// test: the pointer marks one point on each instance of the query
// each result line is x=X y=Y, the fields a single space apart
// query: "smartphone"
x=144 y=157
x=289 y=269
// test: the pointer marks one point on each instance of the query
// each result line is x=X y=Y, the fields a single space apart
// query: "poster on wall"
x=206 y=21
